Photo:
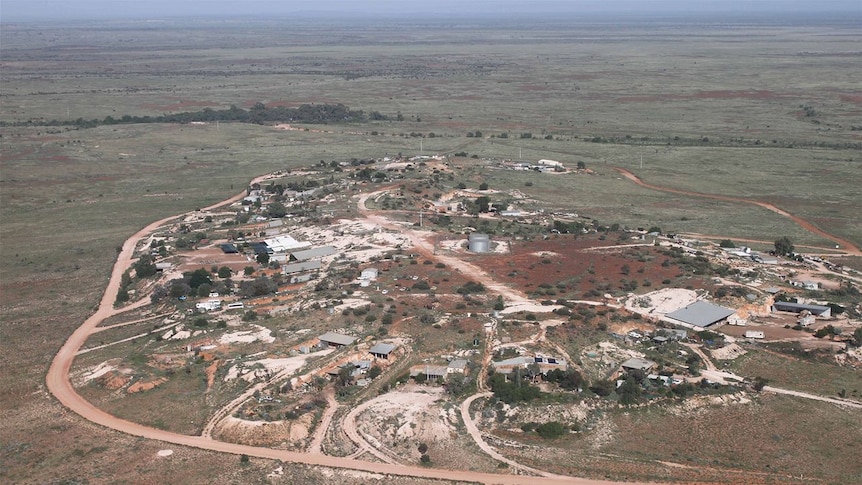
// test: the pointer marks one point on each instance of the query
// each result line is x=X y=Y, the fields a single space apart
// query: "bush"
x=551 y=430
x=471 y=287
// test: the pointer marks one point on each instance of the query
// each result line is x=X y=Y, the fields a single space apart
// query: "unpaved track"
x=58 y=383
x=477 y=437
x=815 y=397
x=323 y=426
x=846 y=245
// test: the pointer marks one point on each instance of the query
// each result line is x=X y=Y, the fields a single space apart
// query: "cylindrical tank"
x=479 y=243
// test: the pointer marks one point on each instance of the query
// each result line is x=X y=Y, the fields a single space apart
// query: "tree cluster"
x=258 y=114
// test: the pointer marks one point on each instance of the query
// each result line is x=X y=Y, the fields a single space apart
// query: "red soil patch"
x=741 y=94
x=581 y=77
x=113 y=380
x=211 y=372
x=142 y=386
x=567 y=260
x=282 y=104
x=532 y=87
x=852 y=98
x=17 y=156
x=180 y=105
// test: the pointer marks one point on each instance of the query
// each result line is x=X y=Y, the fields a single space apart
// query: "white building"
x=550 y=163
x=208 y=306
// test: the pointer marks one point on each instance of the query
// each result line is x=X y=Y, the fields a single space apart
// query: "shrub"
x=551 y=430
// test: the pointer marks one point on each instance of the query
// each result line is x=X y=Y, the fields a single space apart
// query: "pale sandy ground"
x=409 y=413
x=270 y=366
x=662 y=301
x=93 y=373
x=262 y=334
x=728 y=352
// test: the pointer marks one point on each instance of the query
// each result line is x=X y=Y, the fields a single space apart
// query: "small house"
x=430 y=371
x=635 y=363
x=333 y=339
x=368 y=274
x=758 y=334
x=458 y=366
x=381 y=350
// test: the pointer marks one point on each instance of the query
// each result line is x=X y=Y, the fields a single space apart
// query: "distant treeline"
x=258 y=114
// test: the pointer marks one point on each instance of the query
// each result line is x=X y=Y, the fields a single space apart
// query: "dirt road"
x=815 y=397
x=480 y=442
x=320 y=433
x=848 y=246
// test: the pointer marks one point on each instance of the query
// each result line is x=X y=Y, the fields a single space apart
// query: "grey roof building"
x=381 y=350
x=457 y=365
x=638 y=364
x=313 y=253
x=430 y=371
x=300 y=267
x=786 y=306
x=336 y=339
x=701 y=314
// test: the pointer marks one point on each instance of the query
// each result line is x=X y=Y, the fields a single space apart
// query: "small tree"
x=204 y=290
x=145 y=267
x=499 y=304
x=551 y=430
x=248 y=270
x=727 y=243
x=262 y=258
x=374 y=371
x=276 y=210
x=483 y=186
x=224 y=272
x=582 y=165
x=783 y=246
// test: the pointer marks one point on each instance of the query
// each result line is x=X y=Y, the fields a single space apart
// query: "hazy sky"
x=18 y=10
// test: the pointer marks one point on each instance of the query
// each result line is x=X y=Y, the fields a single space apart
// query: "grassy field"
x=807 y=375
x=69 y=197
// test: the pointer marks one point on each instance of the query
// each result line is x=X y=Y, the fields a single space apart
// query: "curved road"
x=847 y=245
x=57 y=381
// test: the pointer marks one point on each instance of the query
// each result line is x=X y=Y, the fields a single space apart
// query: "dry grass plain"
x=69 y=197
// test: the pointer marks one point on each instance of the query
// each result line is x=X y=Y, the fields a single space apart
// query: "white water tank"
x=479 y=243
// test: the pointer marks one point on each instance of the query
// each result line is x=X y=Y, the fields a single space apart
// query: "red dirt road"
x=846 y=245
x=58 y=384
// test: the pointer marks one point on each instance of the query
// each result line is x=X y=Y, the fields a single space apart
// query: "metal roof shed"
x=300 y=267
x=701 y=314
x=638 y=364
x=312 y=253
x=786 y=306
x=336 y=339
x=381 y=350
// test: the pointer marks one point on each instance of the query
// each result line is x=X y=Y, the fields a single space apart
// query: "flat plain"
x=768 y=113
